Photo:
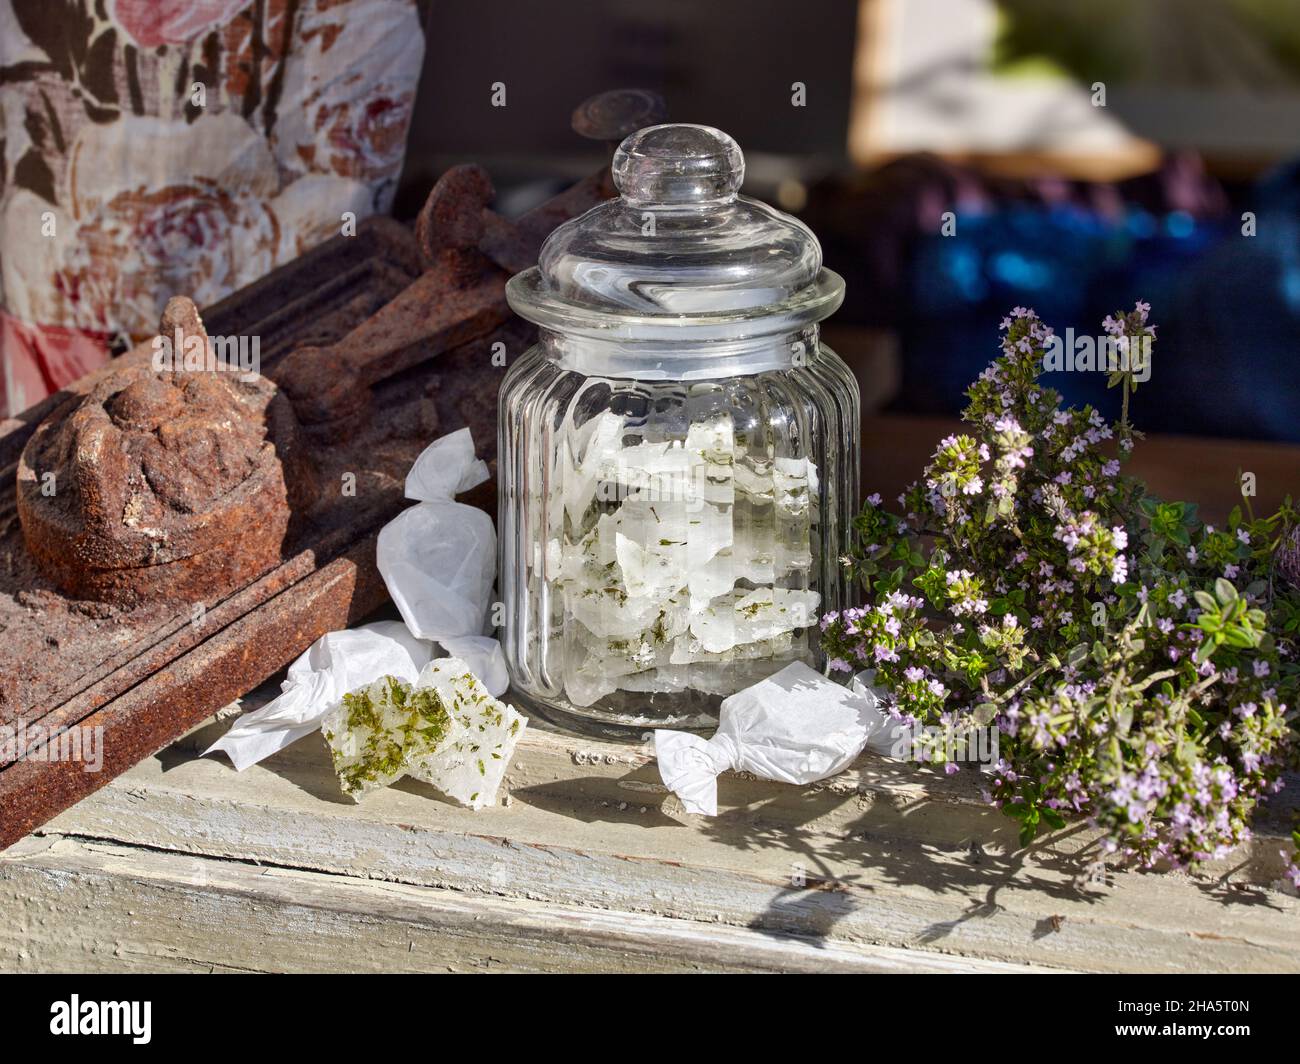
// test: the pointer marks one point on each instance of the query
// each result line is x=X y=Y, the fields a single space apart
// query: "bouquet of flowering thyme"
x=1139 y=666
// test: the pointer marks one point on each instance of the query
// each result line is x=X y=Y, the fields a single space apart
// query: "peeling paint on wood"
x=174 y=913
x=592 y=865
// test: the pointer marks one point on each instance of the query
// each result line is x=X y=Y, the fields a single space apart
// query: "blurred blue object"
x=1227 y=305
x=1232 y=343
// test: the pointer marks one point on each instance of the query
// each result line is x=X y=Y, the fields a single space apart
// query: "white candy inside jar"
x=680 y=559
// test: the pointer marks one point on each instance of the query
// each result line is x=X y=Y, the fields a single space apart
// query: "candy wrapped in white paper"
x=438 y=558
x=347 y=661
x=794 y=727
x=333 y=665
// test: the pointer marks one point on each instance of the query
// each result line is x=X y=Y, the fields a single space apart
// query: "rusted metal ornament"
x=165 y=483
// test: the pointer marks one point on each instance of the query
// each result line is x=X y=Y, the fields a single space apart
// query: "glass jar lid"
x=679 y=255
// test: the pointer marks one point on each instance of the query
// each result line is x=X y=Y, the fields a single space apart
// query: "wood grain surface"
x=184 y=864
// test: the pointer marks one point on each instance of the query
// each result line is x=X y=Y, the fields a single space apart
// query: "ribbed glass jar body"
x=667 y=542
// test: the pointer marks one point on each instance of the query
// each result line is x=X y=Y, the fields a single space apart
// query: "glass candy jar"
x=678 y=454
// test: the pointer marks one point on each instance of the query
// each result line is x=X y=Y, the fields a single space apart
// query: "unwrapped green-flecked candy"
x=378 y=732
x=471 y=767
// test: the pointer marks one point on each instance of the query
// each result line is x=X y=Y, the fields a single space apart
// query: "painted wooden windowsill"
x=184 y=864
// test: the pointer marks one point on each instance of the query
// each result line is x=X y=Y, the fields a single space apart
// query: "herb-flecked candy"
x=470 y=768
x=377 y=732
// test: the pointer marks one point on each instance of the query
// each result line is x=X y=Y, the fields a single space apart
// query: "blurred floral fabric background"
x=157 y=147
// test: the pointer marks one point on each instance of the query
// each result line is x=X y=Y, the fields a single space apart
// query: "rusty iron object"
x=459 y=296
x=139 y=488
x=406 y=320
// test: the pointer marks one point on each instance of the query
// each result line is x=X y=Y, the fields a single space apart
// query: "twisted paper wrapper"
x=438 y=561
x=794 y=727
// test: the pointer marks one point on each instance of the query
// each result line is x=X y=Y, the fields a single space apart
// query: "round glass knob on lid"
x=680 y=243
x=678 y=165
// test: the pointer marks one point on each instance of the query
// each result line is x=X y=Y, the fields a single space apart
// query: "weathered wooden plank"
x=876 y=860
x=886 y=798
x=153 y=911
